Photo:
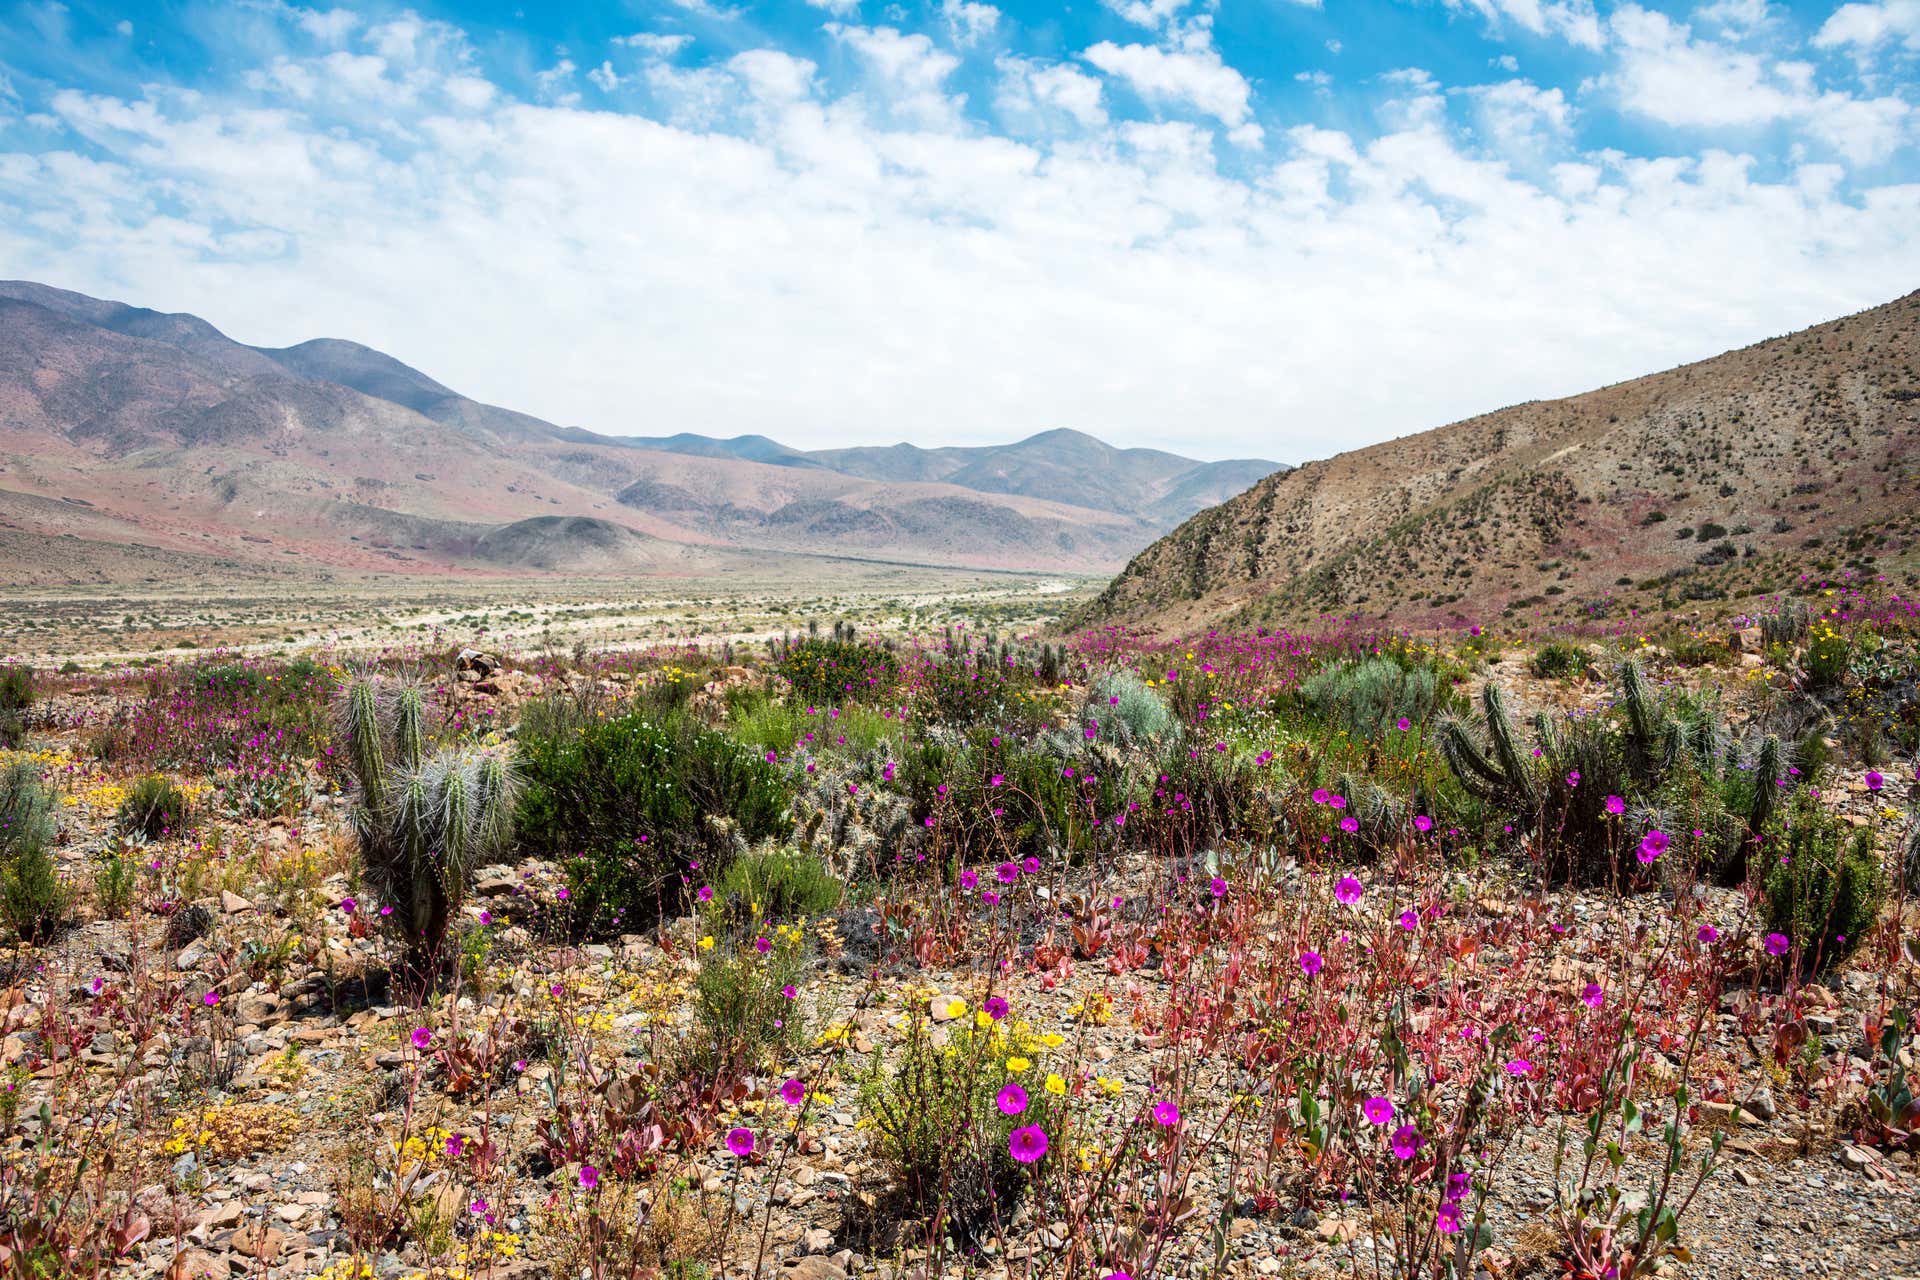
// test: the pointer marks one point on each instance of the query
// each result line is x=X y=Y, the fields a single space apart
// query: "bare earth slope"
x=329 y=455
x=1710 y=481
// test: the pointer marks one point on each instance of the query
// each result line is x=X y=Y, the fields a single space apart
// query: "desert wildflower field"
x=972 y=951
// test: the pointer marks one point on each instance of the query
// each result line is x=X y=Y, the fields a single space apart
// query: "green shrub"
x=762 y=725
x=16 y=695
x=1558 y=660
x=1825 y=888
x=32 y=898
x=1046 y=801
x=563 y=714
x=836 y=671
x=1129 y=713
x=937 y=1129
x=743 y=1020
x=153 y=807
x=1828 y=655
x=113 y=880
x=624 y=804
x=772 y=882
x=1369 y=697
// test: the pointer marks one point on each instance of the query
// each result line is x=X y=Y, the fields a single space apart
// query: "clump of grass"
x=1558 y=660
x=33 y=900
x=1826 y=887
x=779 y=883
x=154 y=806
x=16 y=695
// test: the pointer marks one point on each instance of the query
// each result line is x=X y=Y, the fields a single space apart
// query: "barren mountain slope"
x=1799 y=454
x=331 y=455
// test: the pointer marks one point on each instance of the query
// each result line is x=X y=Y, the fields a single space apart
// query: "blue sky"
x=1250 y=227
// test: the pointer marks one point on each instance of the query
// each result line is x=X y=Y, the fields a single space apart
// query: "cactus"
x=1499 y=774
x=422 y=822
x=1786 y=626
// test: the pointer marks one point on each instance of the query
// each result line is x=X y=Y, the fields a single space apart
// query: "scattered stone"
x=259 y=1241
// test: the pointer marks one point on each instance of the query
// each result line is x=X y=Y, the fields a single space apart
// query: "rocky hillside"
x=123 y=427
x=1712 y=481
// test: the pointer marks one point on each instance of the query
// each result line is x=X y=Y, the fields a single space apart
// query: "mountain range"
x=1770 y=468
x=132 y=440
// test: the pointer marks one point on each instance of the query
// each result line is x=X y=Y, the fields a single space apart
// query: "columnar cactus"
x=422 y=821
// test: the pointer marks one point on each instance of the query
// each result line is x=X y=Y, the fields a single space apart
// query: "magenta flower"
x=1403 y=724
x=1422 y=823
x=1406 y=1140
x=347 y=905
x=1337 y=802
x=969 y=879
x=740 y=1142
x=1166 y=1113
x=1012 y=1100
x=1593 y=997
x=213 y=998
x=1519 y=1067
x=763 y=945
x=996 y=1007
x=1777 y=944
x=1377 y=1110
x=422 y=1037
x=1616 y=806
x=1875 y=781
x=705 y=894
x=1007 y=873
x=1448 y=1219
x=1219 y=887
x=1028 y=1144
x=793 y=1093
x=1320 y=795
x=789 y=992
x=1349 y=825
x=1311 y=963
x=1709 y=934
x=1348 y=890
x=589 y=1177
x=1652 y=845
x=1409 y=919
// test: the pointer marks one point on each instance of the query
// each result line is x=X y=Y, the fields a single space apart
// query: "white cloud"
x=838 y=8
x=470 y=92
x=969 y=21
x=329 y=26
x=1864 y=27
x=1028 y=88
x=706 y=9
x=1738 y=18
x=773 y=75
x=655 y=44
x=123 y=28
x=553 y=83
x=1572 y=20
x=1147 y=13
x=1518 y=116
x=909 y=70
x=1668 y=75
x=604 y=77
x=1198 y=78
